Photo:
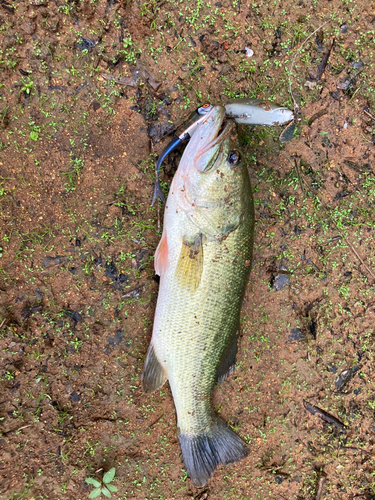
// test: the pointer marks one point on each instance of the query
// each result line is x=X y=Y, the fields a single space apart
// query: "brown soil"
x=78 y=235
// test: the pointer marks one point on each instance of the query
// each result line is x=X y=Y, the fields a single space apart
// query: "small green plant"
x=27 y=85
x=105 y=486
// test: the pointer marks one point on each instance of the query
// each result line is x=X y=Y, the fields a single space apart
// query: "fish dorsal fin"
x=190 y=263
x=161 y=255
x=153 y=375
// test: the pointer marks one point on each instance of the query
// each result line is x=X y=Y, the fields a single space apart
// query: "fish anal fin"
x=228 y=363
x=153 y=375
x=161 y=255
x=202 y=453
x=190 y=263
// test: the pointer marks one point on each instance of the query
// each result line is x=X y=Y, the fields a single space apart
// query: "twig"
x=324 y=62
x=156 y=421
x=324 y=415
x=369 y=114
x=296 y=109
x=355 y=449
x=54 y=446
x=296 y=168
x=322 y=480
x=17 y=430
x=357 y=255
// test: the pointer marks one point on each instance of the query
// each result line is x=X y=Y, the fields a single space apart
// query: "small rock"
x=140 y=259
x=343 y=84
x=133 y=294
x=76 y=317
x=345 y=376
x=311 y=85
x=313 y=325
x=296 y=335
x=213 y=49
x=39 y=294
x=4 y=117
x=288 y=132
x=28 y=28
x=227 y=68
x=335 y=95
x=116 y=339
x=160 y=131
x=279 y=281
x=52 y=261
x=86 y=44
x=111 y=271
x=75 y=397
x=30 y=310
x=332 y=368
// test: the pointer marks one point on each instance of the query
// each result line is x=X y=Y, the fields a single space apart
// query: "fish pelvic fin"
x=161 y=255
x=202 y=453
x=190 y=263
x=153 y=375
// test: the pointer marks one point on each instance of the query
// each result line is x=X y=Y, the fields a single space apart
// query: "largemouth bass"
x=203 y=260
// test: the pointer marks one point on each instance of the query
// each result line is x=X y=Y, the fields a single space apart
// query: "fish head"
x=212 y=176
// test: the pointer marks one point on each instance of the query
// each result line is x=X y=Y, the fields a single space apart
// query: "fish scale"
x=200 y=319
x=204 y=261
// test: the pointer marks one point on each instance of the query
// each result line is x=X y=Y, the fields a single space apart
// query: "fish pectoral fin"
x=190 y=263
x=228 y=363
x=153 y=375
x=161 y=255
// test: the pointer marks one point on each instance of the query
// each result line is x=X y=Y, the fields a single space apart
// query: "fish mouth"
x=214 y=129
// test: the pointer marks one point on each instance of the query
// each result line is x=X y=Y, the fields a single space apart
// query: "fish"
x=203 y=260
x=245 y=111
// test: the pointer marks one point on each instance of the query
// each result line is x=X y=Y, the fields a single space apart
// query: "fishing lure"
x=189 y=129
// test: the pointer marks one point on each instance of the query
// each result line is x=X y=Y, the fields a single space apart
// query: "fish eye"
x=203 y=110
x=234 y=157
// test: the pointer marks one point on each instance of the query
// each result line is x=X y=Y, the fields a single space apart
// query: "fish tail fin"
x=204 y=452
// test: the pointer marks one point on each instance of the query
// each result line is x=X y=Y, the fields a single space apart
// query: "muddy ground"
x=90 y=93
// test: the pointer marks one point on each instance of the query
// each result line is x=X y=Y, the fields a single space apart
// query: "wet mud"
x=90 y=93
